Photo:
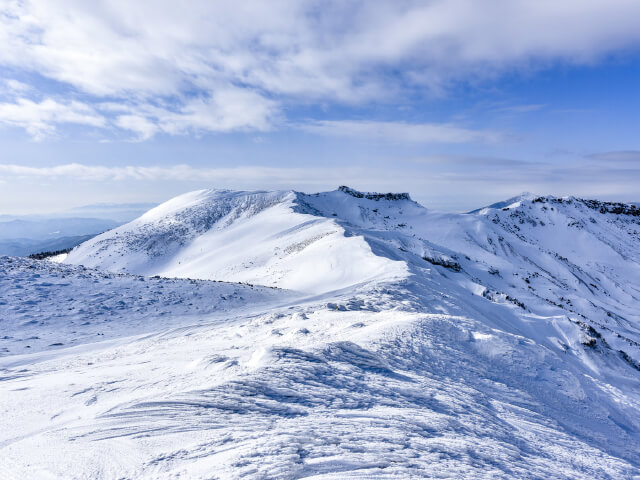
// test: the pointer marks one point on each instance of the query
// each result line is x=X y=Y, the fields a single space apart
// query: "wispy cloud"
x=39 y=119
x=467 y=161
x=12 y=86
x=624 y=156
x=534 y=107
x=402 y=131
x=229 y=109
x=184 y=173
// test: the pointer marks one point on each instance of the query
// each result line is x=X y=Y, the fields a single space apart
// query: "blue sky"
x=460 y=103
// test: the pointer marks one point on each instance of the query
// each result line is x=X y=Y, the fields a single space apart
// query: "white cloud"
x=402 y=132
x=253 y=59
x=40 y=118
x=157 y=173
x=229 y=109
x=521 y=108
x=140 y=125
x=299 y=47
x=14 y=86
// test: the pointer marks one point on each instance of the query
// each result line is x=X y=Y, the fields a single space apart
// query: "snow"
x=58 y=258
x=405 y=343
x=45 y=304
x=255 y=237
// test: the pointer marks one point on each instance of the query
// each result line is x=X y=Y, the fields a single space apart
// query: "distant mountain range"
x=22 y=235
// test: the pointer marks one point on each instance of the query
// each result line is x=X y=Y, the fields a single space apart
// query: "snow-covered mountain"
x=576 y=255
x=269 y=238
x=399 y=342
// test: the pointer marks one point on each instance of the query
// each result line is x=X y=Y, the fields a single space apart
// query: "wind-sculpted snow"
x=46 y=305
x=498 y=344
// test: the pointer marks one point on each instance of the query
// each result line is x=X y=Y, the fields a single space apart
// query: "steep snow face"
x=256 y=237
x=581 y=256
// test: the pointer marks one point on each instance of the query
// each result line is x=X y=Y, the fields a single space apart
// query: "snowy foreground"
x=370 y=338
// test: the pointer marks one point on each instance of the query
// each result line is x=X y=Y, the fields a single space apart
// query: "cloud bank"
x=607 y=175
x=402 y=131
x=148 y=67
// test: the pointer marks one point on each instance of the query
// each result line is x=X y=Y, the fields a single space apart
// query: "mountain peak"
x=617 y=208
x=374 y=195
x=275 y=238
x=524 y=196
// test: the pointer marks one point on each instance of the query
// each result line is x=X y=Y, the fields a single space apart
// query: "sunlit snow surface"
x=407 y=343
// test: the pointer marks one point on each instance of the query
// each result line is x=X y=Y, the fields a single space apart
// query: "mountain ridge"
x=327 y=241
x=407 y=342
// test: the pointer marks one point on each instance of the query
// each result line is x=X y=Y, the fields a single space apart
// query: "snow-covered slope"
x=545 y=253
x=508 y=203
x=498 y=344
x=47 y=306
x=267 y=238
